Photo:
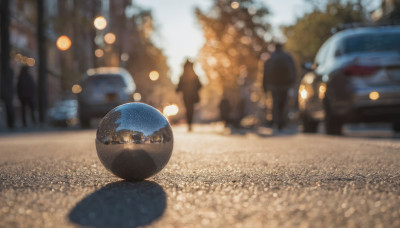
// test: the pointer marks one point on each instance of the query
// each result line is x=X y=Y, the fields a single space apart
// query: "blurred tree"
x=133 y=48
x=146 y=57
x=74 y=21
x=313 y=29
x=235 y=35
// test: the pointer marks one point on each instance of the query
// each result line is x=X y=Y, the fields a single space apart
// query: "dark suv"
x=355 y=78
x=103 y=89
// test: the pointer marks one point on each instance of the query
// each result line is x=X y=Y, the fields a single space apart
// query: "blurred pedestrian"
x=225 y=111
x=279 y=76
x=26 y=89
x=189 y=84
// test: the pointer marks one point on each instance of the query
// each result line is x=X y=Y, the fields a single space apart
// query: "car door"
x=323 y=74
x=312 y=85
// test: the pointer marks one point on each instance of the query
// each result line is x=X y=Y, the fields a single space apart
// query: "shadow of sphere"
x=121 y=204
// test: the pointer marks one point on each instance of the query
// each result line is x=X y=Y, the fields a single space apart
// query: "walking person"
x=279 y=77
x=26 y=89
x=189 y=84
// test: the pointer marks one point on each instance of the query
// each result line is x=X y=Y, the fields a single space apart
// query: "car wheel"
x=396 y=127
x=333 y=124
x=309 y=125
x=85 y=121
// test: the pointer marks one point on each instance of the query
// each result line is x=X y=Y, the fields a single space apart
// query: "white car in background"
x=103 y=89
x=355 y=78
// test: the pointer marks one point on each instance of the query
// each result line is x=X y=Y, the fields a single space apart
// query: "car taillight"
x=359 y=71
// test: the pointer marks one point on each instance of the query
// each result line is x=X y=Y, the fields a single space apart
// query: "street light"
x=100 y=23
x=63 y=43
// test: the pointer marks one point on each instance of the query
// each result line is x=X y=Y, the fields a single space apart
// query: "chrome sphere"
x=134 y=141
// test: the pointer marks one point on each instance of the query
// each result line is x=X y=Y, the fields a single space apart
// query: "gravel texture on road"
x=214 y=179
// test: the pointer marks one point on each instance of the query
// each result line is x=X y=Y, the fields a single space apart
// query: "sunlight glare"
x=170 y=110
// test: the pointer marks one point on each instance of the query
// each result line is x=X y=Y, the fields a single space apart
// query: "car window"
x=376 y=42
x=321 y=55
x=109 y=80
x=330 y=53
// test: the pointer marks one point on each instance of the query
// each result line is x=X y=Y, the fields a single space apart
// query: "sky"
x=180 y=36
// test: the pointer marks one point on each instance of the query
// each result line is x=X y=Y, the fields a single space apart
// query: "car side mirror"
x=308 y=66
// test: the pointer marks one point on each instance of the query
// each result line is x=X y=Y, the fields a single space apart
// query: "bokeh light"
x=171 y=110
x=252 y=10
x=322 y=90
x=109 y=38
x=99 y=53
x=24 y=59
x=18 y=57
x=374 y=95
x=76 y=89
x=100 y=23
x=303 y=92
x=154 y=75
x=63 y=43
x=212 y=61
x=30 y=62
x=254 y=97
x=137 y=97
x=235 y=5
x=124 y=57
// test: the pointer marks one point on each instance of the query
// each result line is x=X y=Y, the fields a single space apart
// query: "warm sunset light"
x=109 y=38
x=100 y=23
x=154 y=75
x=63 y=43
x=170 y=110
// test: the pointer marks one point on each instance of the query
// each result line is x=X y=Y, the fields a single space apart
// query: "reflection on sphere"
x=134 y=141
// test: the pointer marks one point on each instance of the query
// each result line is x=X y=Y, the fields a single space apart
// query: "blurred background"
x=228 y=40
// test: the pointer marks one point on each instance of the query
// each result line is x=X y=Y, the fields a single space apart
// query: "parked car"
x=103 y=89
x=355 y=78
x=64 y=113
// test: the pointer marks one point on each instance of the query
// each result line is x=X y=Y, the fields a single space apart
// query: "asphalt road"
x=214 y=179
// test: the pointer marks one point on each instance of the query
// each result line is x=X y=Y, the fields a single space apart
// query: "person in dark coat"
x=225 y=111
x=26 y=89
x=279 y=76
x=189 y=84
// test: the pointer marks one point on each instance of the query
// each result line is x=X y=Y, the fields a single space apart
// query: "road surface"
x=214 y=179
